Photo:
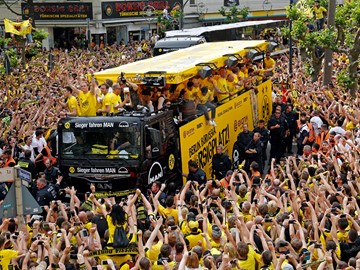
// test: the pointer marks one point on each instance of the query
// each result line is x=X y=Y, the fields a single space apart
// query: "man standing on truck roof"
x=104 y=100
x=71 y=103
x=86 y=97
x=221 y=87
x=115 y=99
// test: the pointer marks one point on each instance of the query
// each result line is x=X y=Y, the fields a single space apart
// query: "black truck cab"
x=118 y=152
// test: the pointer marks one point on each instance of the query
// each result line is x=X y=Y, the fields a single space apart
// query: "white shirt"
x=316 y=123
x=338 y=130
x=29 y=147
x=39 y=144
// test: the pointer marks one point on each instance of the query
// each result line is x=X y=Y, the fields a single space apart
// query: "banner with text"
x=59 y=11
x=198 y=140
x=123 y=9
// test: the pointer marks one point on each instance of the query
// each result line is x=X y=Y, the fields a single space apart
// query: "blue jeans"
x=204 y=108
x=320 y=24
x=29 y=38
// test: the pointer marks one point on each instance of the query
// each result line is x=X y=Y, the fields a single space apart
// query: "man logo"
x=67 y=125
x=155 y=173
x=71 y=169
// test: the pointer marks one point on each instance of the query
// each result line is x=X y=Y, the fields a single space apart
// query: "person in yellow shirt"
x=104 y=100
x=6 y=255
x=203 y=104
x=190 y=92
x=115 y=99
x=319 y=14
x=87 y=98
x=169 y=210
x=222 y=88
x=269 y=65
x=71 y=102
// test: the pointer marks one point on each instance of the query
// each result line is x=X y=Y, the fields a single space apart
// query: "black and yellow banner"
x=114 y=252
x=106 y=194
x=17 y=28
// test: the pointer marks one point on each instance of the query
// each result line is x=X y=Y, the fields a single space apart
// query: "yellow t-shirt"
x=223 y=87
x=87 y=104
x=154 y=252
x=106 y=101
x=157 y=266
x=211 y=88
x=251 y=260
x=195 y=238
x=203 y=98
x=319 y=12
x=114 y=100
x=72 y=104
x=191 y=95
x=269 y=63
x=112 y=229
x=166 y=212
x=5 y=257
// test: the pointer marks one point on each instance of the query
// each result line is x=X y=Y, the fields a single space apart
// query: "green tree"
x=234 y=14
x=343 y=38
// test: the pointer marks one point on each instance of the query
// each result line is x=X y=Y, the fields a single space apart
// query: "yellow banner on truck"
x=198 y=140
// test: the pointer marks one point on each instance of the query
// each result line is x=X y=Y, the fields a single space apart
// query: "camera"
x=73 y=256
x=84 y=233
x=255 y=201
x=292 y=221
x=268 y=219
x=173 y=228
x=122 y=77
x=55 y=265
x=104 y=262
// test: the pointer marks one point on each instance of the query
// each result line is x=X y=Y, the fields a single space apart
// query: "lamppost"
x=290 y=43
x=149 y=14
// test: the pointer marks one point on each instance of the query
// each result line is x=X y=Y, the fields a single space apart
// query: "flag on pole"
x=17 y=28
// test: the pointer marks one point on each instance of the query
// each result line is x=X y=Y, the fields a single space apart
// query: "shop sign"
x=123 y=9
x=58 y=11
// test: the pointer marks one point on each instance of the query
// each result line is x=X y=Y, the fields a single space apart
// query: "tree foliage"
x=234 y=14
x=344 y=38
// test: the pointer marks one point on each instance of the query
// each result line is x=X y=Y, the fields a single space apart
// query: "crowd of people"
x=301 y=212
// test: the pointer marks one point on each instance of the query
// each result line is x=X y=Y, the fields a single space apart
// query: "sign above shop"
x=123 y=9
x=58 y=11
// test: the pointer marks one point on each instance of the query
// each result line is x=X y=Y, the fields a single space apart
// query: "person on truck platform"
x=221 y=87
x=203 y=104
x=115 y=99
x=86 y=97
x=104 y=100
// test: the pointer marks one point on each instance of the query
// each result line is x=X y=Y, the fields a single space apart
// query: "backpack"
x=120 y=238
x=312 y=135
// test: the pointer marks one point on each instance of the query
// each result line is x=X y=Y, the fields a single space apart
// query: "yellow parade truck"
x=91 y=148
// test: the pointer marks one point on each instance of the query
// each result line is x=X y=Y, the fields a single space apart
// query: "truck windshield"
x=101 y=144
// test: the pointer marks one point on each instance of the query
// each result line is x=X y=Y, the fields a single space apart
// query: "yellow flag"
x=17 y=28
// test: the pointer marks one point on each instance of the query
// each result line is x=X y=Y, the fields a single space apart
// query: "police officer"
x=26 y=163
x=278 y=127
x=195 y=173
x=221 y=163
x=47 y=193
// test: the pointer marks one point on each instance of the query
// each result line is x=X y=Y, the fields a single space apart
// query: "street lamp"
x=290 y=43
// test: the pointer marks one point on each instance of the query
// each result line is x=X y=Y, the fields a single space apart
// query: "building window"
x=192 y=2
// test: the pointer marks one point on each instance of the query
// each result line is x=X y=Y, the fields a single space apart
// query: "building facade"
x=72 y=23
